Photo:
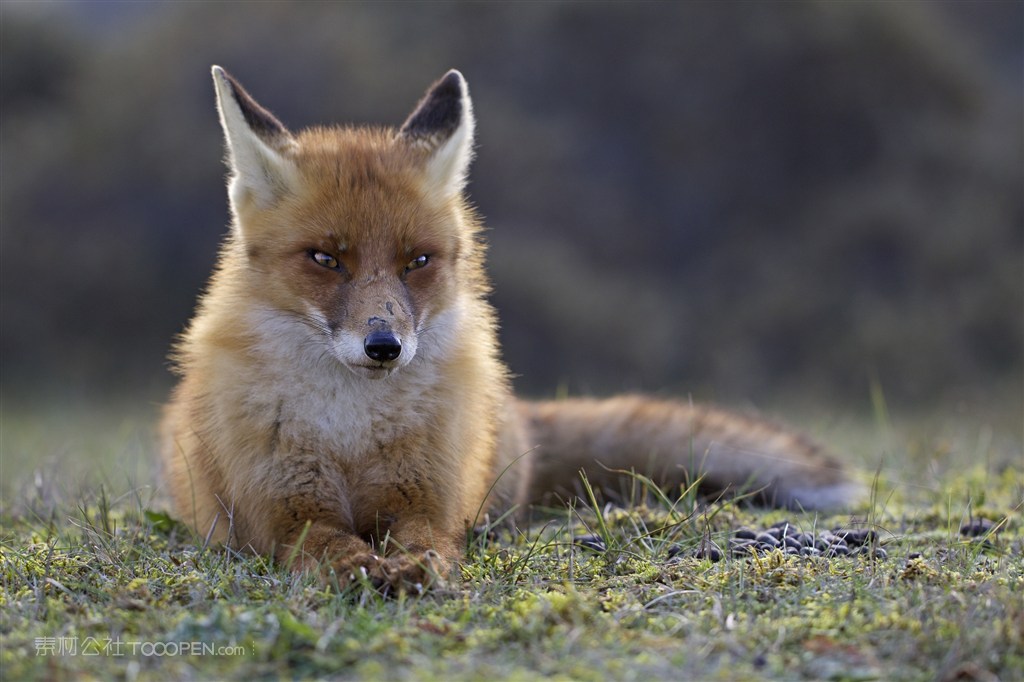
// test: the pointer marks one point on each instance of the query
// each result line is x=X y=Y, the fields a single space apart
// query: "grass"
x=98 y=566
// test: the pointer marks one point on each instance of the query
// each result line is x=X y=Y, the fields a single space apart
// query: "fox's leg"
x=321 y=546
x=418 y=557
x=192 y=478
x=303 y=535
x=197 y=503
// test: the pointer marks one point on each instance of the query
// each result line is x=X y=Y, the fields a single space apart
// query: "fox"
x=341 y=403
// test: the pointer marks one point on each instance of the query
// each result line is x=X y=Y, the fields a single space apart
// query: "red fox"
x=342 y=405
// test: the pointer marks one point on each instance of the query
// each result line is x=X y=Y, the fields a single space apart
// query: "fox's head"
x=359 y=234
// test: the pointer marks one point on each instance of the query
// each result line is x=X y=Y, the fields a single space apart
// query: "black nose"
x=382 y=346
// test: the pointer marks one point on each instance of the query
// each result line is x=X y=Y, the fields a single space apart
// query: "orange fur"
x=287 y=435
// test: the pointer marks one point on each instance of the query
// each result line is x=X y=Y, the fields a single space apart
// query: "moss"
x=533 y=604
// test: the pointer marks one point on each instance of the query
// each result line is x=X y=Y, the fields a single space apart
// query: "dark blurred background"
x=740 y=201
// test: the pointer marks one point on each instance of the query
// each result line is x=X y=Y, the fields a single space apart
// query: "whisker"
x=311 y=322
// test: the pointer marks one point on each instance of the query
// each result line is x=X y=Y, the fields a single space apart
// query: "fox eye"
x=417 y=262
x=324 y=259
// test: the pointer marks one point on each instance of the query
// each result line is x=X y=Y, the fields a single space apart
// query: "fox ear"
x=257 y=145
x=442 y=124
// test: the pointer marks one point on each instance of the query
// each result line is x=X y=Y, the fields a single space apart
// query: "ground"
x=97 y=581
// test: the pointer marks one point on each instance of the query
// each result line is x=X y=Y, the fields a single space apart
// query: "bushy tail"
x=674 y=443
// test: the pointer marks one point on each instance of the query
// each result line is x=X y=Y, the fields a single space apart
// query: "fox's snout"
x=378 y=347
x=382 y=345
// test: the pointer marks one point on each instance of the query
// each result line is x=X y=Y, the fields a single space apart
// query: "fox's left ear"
x=442 y=124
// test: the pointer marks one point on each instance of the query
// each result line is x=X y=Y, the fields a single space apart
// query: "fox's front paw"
x=414 y=573
x=353 y=569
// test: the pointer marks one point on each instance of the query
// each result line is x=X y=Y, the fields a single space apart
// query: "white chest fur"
x=290 y=382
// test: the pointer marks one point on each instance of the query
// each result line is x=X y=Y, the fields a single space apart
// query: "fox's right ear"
x=257 y=143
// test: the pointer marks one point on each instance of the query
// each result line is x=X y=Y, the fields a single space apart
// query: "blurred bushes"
x=729 y=198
